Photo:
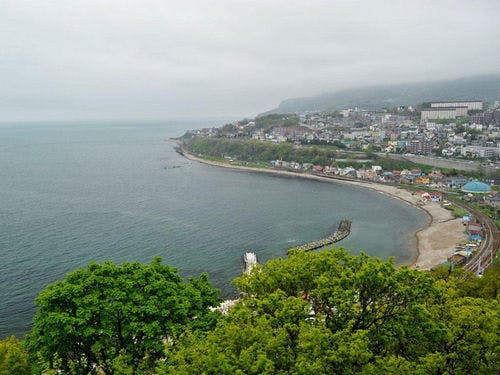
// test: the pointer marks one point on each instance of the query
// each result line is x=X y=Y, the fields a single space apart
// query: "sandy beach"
x=435 y=242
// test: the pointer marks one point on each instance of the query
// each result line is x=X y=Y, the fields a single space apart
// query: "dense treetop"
x=254 y=151
x=326 y=312
x=334 y=313
x=13 y=359
x=107 y=316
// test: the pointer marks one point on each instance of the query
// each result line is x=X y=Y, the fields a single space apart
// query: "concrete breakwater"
x=344 y=229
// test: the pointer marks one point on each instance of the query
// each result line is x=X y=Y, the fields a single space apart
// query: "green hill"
x=485 y=87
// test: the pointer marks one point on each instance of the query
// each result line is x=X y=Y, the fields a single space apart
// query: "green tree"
x=370 y=151
x=111 y=319
x=13 y=358
x=330 y=312
x=467 y=284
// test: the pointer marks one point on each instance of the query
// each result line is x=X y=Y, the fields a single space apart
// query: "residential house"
x=436 y=196
x=422 y=180
x=456 y=182
x=493 y=200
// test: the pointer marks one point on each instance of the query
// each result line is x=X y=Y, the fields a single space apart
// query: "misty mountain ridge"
x=485 y=87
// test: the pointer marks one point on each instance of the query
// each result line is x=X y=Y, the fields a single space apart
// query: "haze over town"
x=157 y=59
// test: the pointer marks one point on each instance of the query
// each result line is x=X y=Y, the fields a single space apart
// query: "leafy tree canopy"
x=325 y=312
x=252 y=150
x=112 y=319
x=13 y=359
x=335 y=313
x=272 y=120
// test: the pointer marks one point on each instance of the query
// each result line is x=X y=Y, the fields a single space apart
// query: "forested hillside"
x=389 y=96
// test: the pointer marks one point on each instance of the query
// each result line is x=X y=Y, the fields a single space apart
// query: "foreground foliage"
x=116 y=319
x=325 y=312
x=13 y=359
x=333 y=313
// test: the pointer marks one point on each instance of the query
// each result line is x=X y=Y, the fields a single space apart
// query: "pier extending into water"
x=250 y=260
x=342 y=232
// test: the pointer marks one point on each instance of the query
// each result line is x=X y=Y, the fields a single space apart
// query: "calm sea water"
x=75 y=192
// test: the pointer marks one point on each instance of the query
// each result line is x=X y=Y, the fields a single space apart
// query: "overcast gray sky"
x=158 y=59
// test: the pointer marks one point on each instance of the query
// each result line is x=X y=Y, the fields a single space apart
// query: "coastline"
x=434 y=242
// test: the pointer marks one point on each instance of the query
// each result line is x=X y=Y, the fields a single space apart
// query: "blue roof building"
x=476 y=187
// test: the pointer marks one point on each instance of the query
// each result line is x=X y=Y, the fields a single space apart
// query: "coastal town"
x=450 y=137
x=444 y=154
x=462 y=130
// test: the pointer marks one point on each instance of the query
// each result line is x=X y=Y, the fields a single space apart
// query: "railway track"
x=486 y=252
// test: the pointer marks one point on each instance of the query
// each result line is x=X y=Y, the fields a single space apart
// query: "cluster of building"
x=434 y=180
x=467 y=129
x=356 y=131
x=477 y=138
x=475 y=233
x=463 y=129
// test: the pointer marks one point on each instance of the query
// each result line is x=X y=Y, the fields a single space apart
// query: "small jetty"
x=342 y=232
x=250 y=260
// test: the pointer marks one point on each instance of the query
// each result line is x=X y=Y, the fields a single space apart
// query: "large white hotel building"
x=471 y=105
x=450 y=110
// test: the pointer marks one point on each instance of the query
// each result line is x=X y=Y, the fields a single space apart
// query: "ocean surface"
x=81 y=191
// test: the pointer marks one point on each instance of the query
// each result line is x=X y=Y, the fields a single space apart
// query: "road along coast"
x=435 y=242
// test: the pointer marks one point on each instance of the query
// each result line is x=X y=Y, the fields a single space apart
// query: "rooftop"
x=441 y=108
x=476 y=187
x=457 y=101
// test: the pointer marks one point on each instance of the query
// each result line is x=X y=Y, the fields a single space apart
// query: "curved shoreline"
x=434 y=242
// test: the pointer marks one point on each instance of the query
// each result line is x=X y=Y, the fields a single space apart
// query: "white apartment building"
x=482 y=152
x=461 y=111
x=433 y=126
x=438 y=113
x=471 y=105
x=443 y=113
x=357 y=134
